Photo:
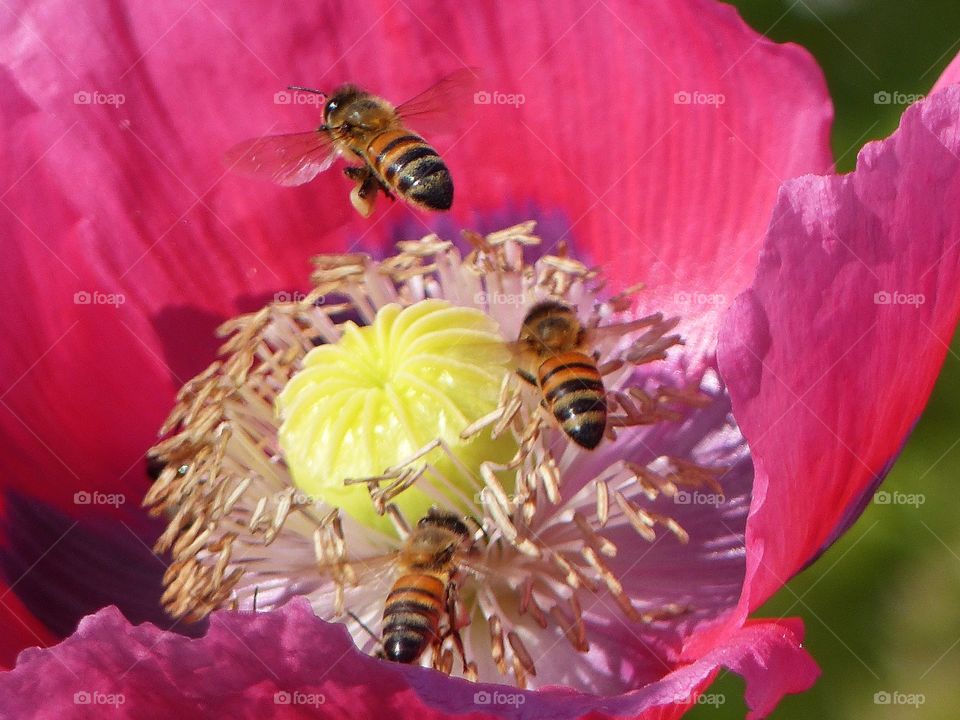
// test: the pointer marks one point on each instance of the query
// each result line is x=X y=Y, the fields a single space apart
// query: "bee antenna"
x=306 y=89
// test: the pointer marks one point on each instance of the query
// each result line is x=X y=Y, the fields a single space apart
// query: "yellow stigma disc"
x=382 y=392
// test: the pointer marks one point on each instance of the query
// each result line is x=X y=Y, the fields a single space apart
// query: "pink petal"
x=246 y=663
x=20 y=627
x=826 y=379
x=950 y=76
x=675 y=195
x=130 y=199
x=704 y=575
x=63 y=569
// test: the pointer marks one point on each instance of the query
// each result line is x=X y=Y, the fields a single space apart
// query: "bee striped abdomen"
x=412 y=167
x=573 y=391
x=411 y=616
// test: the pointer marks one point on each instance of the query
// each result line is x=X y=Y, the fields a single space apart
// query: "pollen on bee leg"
x=443 y=660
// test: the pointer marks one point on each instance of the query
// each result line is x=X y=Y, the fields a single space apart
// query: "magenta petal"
x=130 y=199
x=768 y=654
x=950 y=76
x=707 y=119
x=288 y=663
x=64 y=569
x=831 y=355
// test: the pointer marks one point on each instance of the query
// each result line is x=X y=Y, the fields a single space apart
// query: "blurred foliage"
x=881 y=606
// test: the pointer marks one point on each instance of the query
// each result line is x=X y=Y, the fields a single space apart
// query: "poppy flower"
x=663 y=155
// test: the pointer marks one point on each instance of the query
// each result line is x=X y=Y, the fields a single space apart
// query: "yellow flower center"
x=384 y=391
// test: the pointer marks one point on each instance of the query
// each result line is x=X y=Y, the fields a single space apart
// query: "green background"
x=882 y=607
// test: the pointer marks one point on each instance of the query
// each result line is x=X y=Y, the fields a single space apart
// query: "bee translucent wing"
x=440 y=108
x=367 y=578
x=285 y=159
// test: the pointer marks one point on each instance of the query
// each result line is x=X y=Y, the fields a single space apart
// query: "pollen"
x=383 y=391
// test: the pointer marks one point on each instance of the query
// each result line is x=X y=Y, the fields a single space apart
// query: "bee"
x=428 y=564
x=553 y=347
x=366 y=128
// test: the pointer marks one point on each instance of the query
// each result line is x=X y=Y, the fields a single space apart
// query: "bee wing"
x=365 y=583
x=439 y=108
x=292 y=159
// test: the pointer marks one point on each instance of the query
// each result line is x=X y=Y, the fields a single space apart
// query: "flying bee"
x=366 y=128
x=555 y=359
x=428 y=565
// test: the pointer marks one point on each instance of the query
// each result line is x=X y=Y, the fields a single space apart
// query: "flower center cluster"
x=372 y=400
x=303 y=461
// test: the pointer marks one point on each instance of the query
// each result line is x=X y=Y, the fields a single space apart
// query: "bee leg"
x=455 y=611
x=364 y=194
x=386 y=191
x=457 y=617
x=380 y=652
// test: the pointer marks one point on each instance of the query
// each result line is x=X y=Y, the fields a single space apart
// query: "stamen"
x=521 y=653
x=639 y=518
x=496 y=643
x=254 y=516
x=536 y=612
x=601 y=543
x=603 y=502
x=572 y=631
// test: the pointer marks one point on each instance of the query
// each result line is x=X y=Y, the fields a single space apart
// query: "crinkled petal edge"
x=248 y=662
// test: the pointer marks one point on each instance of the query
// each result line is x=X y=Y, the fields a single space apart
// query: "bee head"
x=550 y=325
x=446 y=520
x=347 y=106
